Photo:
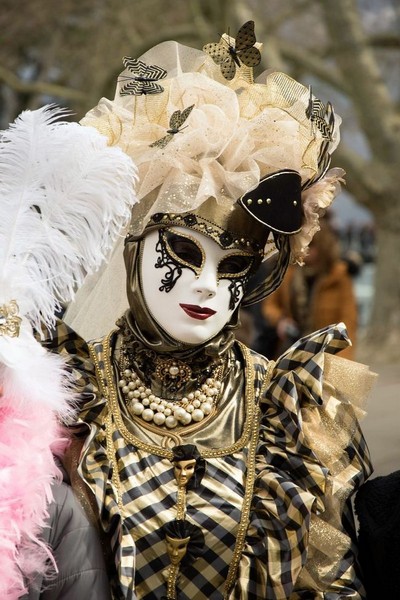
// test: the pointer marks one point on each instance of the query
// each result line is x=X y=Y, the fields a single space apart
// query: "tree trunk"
x=382 y=339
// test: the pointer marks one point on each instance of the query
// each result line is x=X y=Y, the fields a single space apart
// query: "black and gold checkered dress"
x=283 y=455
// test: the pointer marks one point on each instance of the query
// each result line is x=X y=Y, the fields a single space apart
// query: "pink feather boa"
x=28 y=432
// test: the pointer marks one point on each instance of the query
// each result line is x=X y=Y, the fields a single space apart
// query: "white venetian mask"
x=191 y=285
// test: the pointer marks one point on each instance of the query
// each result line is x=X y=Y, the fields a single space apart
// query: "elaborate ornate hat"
x=238 y=158
x=198 y=126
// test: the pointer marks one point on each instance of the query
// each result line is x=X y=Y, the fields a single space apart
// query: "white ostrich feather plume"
x=65 y=196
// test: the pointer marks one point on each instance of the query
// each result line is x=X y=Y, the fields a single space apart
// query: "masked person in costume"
x=213 y=472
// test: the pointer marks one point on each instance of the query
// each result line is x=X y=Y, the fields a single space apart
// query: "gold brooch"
x=10 y=322
x=170 y=370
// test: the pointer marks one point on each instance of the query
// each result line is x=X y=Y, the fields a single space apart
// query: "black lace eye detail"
x=236 y=289
x=235 y=265
x=174 y=270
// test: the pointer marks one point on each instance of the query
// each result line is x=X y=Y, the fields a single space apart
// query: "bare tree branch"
x=308 y=61
x=364 y=82
x=39 y=87
x=388 y=41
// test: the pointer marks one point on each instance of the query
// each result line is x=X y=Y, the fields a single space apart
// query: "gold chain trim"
x=181 y=503
x=251 y=468
x=110 y=428
x=171 y=582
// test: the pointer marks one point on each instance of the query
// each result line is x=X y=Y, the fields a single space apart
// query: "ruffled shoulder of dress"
x=304 y=362
x=313 y=405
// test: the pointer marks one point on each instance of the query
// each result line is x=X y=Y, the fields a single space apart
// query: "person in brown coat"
x=314 y=296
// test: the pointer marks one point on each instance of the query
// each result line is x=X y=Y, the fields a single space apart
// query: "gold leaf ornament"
x=10 y=321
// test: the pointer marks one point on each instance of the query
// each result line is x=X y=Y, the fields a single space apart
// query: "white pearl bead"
x=186 y=419
x=206 y=408
x=190 y=408
x=147 y=414
x=197 y=415
x=145 y=402
x=130 y=395
x=159 y=419
x=197 y=403
x=167 y=411
x=202 y=397
x=191 y=396
x=171 y=422
x=122 y=383
x=137 y=408
x=179 y=412
x=153 y=406
x=125 y=389
x=127 y=372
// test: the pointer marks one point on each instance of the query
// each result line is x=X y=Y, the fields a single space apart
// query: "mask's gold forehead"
x=229 y=227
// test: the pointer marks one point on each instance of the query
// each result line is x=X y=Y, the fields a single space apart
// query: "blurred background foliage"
x=70 y=52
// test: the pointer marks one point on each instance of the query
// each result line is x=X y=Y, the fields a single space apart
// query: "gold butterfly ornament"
x=176 y=121
x=230 y=55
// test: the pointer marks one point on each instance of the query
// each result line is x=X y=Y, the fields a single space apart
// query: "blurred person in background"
x=311 y=297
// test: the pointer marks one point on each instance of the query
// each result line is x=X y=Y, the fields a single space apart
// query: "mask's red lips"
x=197 y=312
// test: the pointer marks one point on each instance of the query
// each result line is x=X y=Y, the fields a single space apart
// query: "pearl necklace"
x=141 y=401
